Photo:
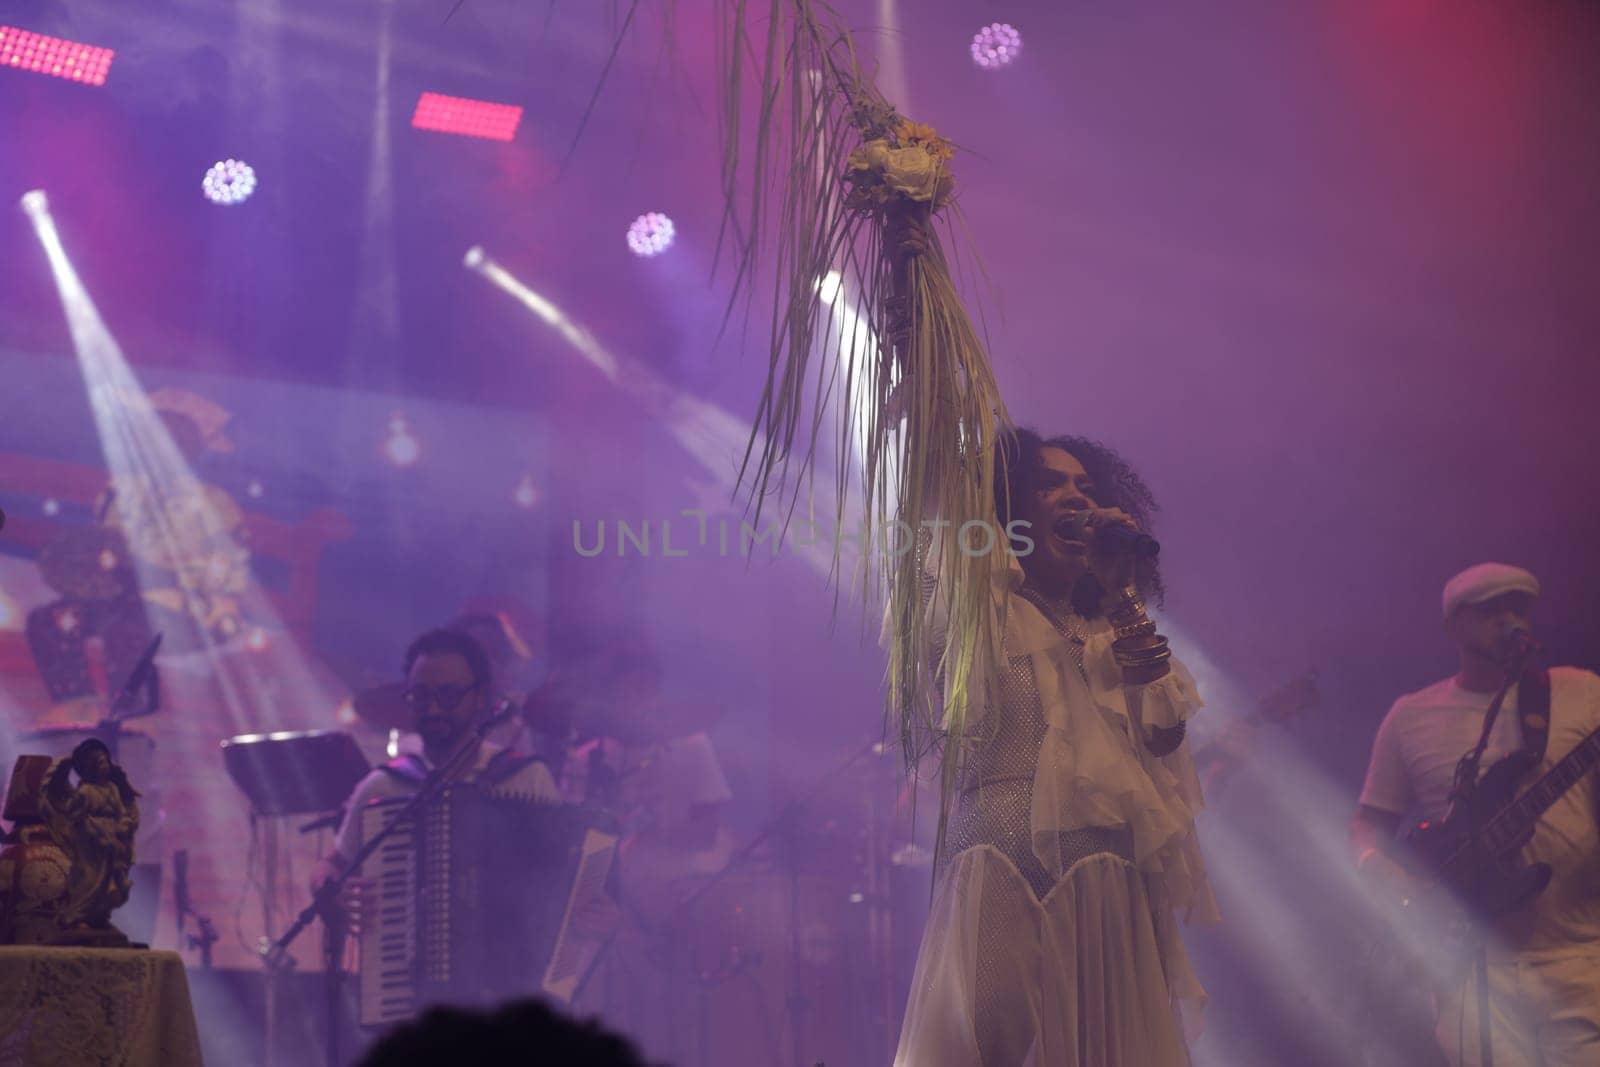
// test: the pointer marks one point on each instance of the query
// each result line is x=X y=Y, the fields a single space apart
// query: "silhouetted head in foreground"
x=522 y=1032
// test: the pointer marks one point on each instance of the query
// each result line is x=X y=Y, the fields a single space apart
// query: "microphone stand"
x=143 y=679
x=324 y=900
x=143 y=676
x=1464 y=791
x=207 y=935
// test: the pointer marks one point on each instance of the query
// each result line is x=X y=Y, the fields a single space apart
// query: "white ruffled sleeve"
x=1094 y=768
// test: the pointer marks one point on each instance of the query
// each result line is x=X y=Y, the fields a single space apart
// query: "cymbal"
x=92 y=563
x=384 y=706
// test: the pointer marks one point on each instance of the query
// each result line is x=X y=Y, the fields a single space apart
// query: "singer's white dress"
x=1053 y=939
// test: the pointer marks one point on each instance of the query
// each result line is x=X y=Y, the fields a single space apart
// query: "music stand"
x=290 y=773
x=300 y=773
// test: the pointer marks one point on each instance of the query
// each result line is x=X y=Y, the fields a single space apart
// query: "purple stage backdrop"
x=1320 y=271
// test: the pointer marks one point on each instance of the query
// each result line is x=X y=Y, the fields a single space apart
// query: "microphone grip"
x=1122 y=539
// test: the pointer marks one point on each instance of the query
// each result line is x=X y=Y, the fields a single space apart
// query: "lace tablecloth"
x=79 y=1007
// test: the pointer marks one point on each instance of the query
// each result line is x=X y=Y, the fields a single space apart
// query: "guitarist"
x=1544 y=957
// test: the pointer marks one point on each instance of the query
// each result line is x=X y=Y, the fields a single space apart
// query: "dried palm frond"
x=820 y=173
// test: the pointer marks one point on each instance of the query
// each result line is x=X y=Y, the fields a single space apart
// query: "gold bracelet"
x=1145 y=628
x=1125 y=604
x=1143 y=656
x=1145 y=675
x=1145 y=643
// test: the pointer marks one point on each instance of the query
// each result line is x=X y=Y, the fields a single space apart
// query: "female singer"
x=1071 y=844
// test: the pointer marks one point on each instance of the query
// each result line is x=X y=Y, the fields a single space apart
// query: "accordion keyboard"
x=389 y=921
x=472 y=901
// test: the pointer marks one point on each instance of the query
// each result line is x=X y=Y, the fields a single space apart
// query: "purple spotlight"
x=996 y=45
x=651 y=234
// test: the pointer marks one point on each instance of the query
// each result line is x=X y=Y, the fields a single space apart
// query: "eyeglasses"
x=448 y=697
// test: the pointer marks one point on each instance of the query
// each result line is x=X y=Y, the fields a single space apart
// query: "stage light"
x=255 y=490
x=24 y=50
x=526 y=495
x=469 y=118
x=706 y=432
x=51 y=507
x=651 y=234
x=35 y=203
x=401 y=448
x=186 y=526
x=828 y=287
x=229 y=182
x=480 y=262
x=996 y=45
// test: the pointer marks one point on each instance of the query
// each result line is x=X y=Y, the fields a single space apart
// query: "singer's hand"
x=1114 y=569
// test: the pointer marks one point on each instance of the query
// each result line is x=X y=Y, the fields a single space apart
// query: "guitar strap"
x=1533 y=711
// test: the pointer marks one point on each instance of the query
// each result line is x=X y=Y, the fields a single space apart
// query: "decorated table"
x=95 y=1007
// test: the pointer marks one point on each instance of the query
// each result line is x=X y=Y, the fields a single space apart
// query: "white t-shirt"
x=532 y=780
x=1413 y=764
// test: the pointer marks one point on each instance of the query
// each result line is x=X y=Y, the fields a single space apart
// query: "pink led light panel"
x=470 y=118
x=52 y=55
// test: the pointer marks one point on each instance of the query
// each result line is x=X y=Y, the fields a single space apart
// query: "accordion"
x=471 y=901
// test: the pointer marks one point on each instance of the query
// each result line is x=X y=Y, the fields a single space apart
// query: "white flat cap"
x=1485 y=582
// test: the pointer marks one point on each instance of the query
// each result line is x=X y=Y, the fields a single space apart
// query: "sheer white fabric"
x=1089 y=970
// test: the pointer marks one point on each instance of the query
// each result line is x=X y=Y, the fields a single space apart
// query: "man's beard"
x=439 y=731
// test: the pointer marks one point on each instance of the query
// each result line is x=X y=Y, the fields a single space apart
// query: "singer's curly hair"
x=1018 y=464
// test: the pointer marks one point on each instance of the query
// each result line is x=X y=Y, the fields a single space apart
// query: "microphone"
x=503 y=713
x=1115 y=539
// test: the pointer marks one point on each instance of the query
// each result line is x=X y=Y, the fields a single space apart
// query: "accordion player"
x=472 y=899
